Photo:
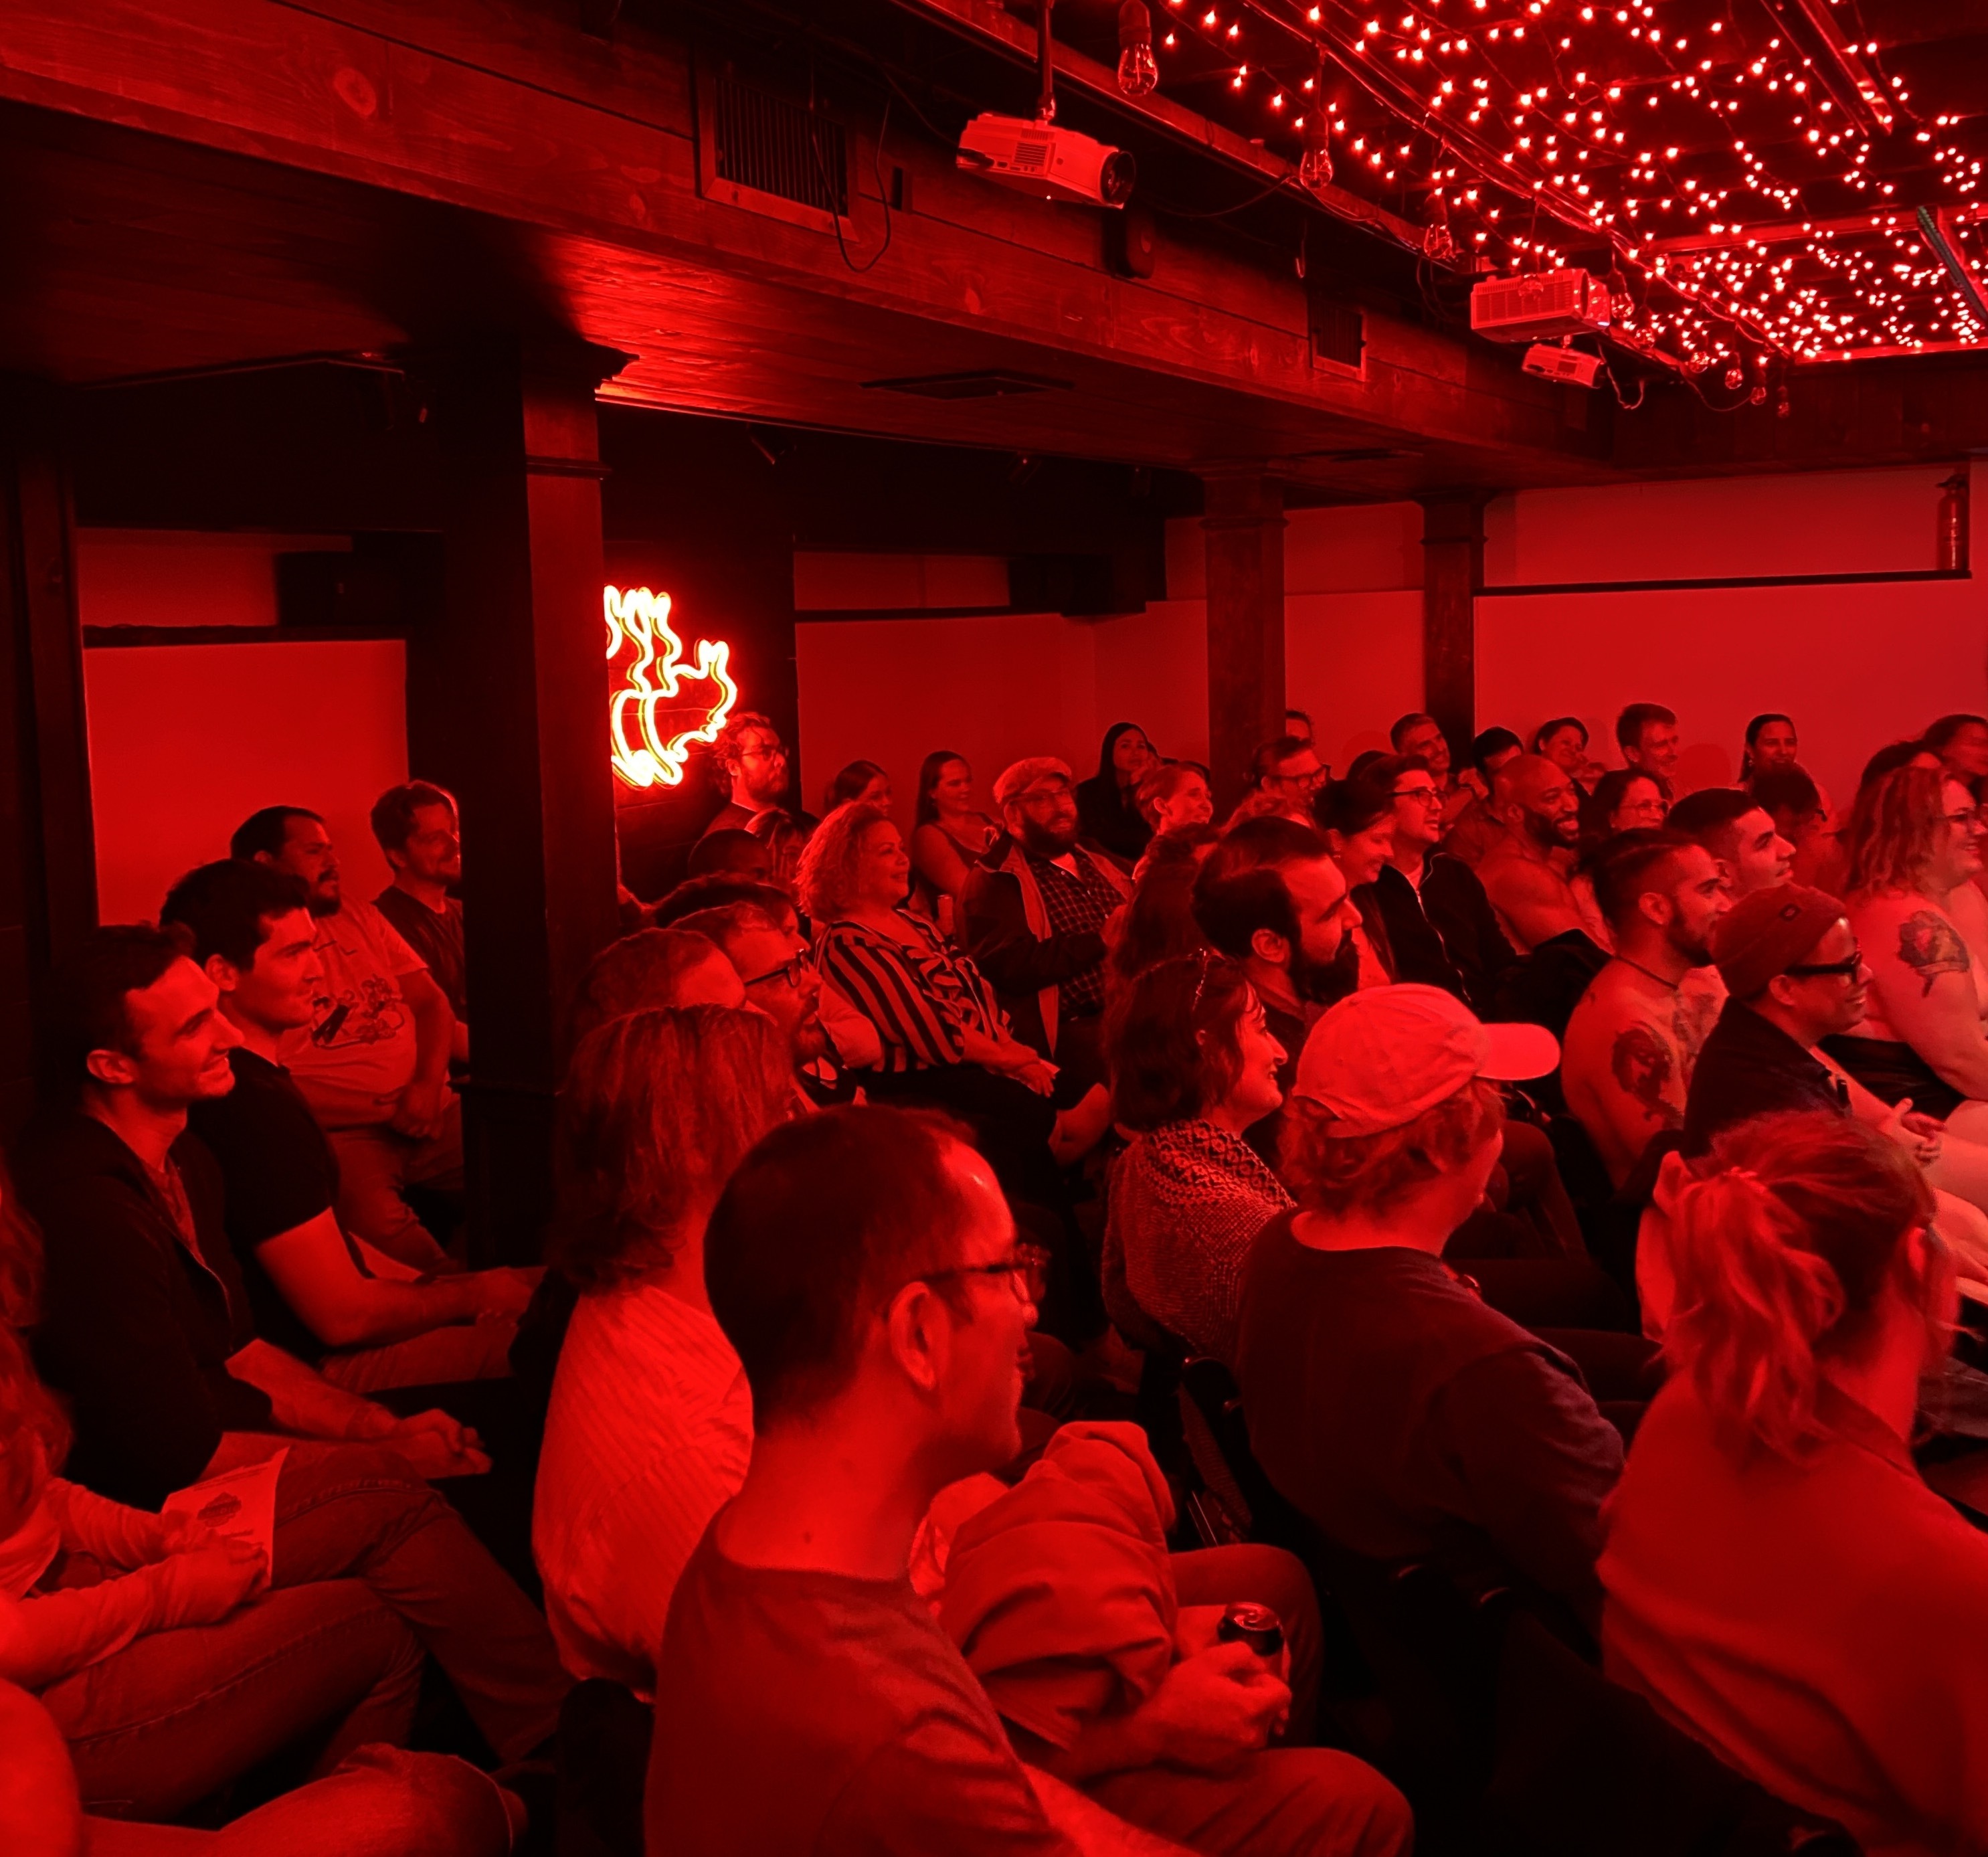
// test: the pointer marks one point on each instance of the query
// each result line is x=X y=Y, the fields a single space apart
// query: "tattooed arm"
x=1925 y=985
x=1625 y=1080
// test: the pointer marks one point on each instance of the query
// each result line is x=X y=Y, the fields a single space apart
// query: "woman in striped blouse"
x=944 y=1039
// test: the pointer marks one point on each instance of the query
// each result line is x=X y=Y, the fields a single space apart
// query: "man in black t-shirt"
x=420 y=838
x=146 y=1329
x=365 y=1321
x=1387 y=1401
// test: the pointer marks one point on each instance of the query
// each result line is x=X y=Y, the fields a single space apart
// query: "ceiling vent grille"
x=758 y=150
x=1338 y=333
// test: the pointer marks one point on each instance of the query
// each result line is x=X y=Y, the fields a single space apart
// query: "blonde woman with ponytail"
x=1779 y=1580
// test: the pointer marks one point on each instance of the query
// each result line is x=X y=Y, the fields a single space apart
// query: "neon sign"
x=647 y=749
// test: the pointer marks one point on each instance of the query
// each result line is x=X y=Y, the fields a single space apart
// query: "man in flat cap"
x=1034 y=912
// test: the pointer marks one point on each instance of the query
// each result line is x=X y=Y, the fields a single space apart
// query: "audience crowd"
x=1429 y=1309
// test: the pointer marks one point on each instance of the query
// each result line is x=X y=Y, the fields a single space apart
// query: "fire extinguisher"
x=1953 y=524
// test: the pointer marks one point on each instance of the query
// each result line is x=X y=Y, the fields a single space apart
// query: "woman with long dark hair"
x=1193 y=1065
x=1107 y=804
x=1780 y=1581
x=949 y=834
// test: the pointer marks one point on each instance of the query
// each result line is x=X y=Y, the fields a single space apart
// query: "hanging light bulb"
x=1138 y=71
x=1315 y=165
x=1734 y=378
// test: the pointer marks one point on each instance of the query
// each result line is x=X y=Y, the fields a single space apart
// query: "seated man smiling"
x=365 y=1321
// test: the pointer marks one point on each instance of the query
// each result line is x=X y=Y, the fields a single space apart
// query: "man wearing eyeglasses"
x=1796 y=976
x=754 y=759
x=1439 y=922
x=864 y=1264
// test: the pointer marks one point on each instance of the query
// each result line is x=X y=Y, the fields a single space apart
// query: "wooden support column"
x=1243 y=528
x=1452 y=576
x=48 y=867
x=508 y=706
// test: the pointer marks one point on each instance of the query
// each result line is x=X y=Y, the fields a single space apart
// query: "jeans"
x=1288 y=1801
x=442 y=1357
x=178 y=1714
x=351 y=1509
x=375 y=1165
x=382 y=1803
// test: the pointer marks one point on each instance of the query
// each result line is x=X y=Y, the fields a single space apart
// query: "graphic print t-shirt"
x=357 y=1054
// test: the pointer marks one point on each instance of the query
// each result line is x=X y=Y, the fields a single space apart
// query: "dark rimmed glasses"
x=1027 y=1272
x=1826 y=970
x=789 y=970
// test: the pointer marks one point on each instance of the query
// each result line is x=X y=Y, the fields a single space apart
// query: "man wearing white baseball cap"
x=1385 y=1399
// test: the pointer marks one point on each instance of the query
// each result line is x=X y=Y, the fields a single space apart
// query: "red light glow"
x=651 y=722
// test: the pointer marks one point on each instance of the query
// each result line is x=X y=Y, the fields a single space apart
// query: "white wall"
x=187 y=740
x=995 y=689
x=1857 y=665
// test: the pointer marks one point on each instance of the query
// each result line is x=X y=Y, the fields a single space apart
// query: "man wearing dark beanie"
x=1793 y=976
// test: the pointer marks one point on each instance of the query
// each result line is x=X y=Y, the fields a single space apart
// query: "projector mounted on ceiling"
x=1546 y=303
x=1037 y=157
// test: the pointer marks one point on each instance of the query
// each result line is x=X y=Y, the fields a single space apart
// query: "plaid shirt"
x=1073 y=904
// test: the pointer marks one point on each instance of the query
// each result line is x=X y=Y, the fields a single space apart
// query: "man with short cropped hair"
x=1527 y=869
x=1439 y=922
x=863 y=1264
x=1627 y=1063
x=364 y=1321
x=1647 y=733
x=420 y=836
x=148 y=1331
x=1032 y=916
x=1422 y=736
x=1733 y=826
x=372 y=1063
x=1284 y=774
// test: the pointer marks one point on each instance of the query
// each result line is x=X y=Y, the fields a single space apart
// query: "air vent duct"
x=759 y=150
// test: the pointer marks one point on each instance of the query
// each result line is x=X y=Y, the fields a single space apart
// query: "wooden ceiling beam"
x=586 y=147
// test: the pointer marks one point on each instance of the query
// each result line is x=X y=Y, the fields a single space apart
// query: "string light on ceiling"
x=1755 y=181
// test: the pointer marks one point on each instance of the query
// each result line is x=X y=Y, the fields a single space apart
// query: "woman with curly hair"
x=651 y=1423
x=945 y=1041
x=1780 y=1582
x=1913 y=848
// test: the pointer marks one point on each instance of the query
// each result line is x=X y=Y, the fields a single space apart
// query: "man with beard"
x=1631 y=1044
x=1526 y=872
x=1033 y=915
x=753 y=760
x=1271 y=896
x=372 y=1063
x=763 y=942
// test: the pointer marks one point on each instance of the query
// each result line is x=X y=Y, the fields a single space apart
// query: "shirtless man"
x=1627 y=1060
x=1526 y=872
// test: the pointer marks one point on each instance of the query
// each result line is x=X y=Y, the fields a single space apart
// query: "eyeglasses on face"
x=1428 y=796
x=1027 y=1272
x=1825 y=970
x=1046 y=796
x=789 y=970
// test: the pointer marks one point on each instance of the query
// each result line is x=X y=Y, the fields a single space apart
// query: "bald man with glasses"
x=1438 y=921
